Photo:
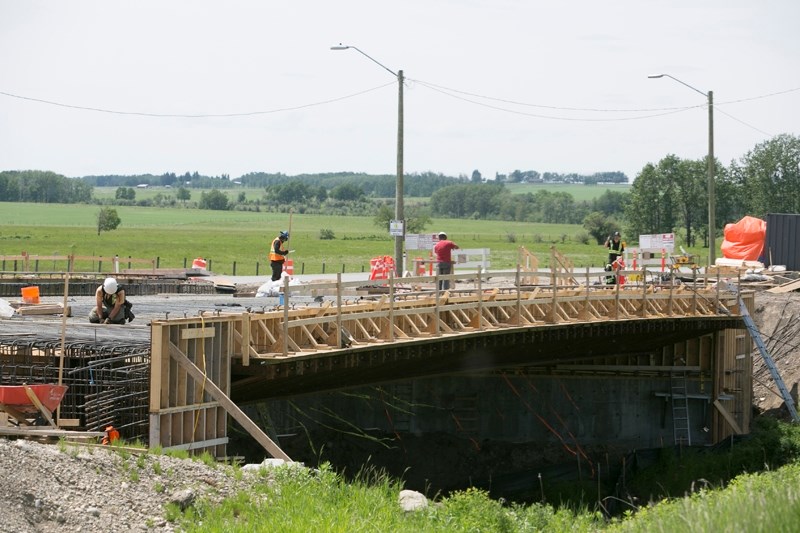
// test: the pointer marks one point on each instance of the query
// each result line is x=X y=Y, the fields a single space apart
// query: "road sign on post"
x=396 y=228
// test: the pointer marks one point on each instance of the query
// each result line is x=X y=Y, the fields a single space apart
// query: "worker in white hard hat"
x=110 y=307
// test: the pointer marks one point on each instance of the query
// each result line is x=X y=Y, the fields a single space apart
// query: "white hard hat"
x=110 y=285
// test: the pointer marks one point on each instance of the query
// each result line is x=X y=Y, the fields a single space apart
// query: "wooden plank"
x=228 y=405
x=19 y=416
x=197 y=333
x=786 y=287
x=245 y=340
x=42 y=309
x=728 y=417
x=38 y=403
x=43 y=431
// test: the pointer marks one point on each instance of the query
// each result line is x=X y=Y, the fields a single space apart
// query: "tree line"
x=668 y=196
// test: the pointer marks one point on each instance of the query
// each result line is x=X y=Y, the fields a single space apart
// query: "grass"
x=292 y=499
x=580 y=193
x=227 y=237
x=295 y=499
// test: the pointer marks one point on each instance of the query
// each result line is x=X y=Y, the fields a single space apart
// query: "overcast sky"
x=492 y=85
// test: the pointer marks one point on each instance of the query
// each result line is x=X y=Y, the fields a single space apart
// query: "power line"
x=666 y=111
x=556 y=108
x=447 y=91
x=197 y=115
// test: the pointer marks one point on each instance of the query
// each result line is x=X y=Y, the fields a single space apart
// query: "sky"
x=148 y=87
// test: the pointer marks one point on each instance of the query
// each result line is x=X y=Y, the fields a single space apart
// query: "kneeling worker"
x=110 y=304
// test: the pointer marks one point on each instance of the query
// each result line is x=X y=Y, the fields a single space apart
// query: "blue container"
x=280 y=299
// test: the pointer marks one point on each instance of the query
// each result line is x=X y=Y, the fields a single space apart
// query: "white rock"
x=411 y=500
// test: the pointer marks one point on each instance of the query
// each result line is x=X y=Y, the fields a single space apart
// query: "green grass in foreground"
x=717 y=498
x=300 y=500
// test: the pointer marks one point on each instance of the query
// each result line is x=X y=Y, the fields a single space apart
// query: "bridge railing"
x=402 y=309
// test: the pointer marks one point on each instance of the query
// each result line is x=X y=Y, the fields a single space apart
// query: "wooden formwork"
x=190 y=382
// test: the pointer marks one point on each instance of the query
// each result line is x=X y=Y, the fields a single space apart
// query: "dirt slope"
x=778 y=319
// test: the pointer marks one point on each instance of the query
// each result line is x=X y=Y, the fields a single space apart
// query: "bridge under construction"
x=516 y=356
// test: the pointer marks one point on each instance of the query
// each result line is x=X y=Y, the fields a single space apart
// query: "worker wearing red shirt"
x=444 y=258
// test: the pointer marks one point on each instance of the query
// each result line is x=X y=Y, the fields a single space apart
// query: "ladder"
x=680 y=408
x=762 y=348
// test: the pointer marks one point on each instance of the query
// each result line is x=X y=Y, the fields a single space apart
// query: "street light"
x=398 y=205
x=712 y=242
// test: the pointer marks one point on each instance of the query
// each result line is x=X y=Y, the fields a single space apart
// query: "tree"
x=476 y=176
x=651 y=207
x=611 y=202
x=184 y=194
x=769 y=176
x=690 y=180
x=214 y=200
x=599 y=226
x=417 y=218
x=347 y=191
x=383 y=216
x=107 y=220
x=125 y=193
x=293 y=191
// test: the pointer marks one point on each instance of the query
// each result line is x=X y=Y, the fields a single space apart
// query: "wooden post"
x=480 y=300
x=391 y=306
x=519 y=297
x=63 y=337
x=286 y=316
x=644 y=292
x=553 y=283
x=339 y=310
x=436 y=328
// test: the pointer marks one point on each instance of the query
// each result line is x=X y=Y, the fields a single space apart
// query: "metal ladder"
x=680 y=408
x=773 y=370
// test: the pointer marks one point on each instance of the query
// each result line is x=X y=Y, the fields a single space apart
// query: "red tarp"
x=745 y=239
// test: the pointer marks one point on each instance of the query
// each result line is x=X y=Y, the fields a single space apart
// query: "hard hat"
x=616 y=234
x=442 y=235
x=110 y=285
x=284 y=235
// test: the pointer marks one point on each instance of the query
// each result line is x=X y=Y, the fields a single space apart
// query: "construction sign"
x=660 y=241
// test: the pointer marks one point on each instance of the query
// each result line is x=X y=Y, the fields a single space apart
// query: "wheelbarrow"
x=29 y=403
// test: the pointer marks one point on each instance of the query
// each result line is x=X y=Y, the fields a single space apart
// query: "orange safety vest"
x=272 y=255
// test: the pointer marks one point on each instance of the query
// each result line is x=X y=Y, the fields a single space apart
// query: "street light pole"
x=399 y=263
x=712 y=240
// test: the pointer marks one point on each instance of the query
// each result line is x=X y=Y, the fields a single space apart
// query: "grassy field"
x=579 y=192
x=225 y=237
x=236 y=242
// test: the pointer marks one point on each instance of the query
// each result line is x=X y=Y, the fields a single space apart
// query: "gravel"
x=68 y=487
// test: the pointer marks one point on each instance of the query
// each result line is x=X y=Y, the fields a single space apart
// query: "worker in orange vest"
x=277 y=254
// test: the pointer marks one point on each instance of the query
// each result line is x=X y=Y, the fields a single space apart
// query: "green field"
x=579 y=192
x=224 y=237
